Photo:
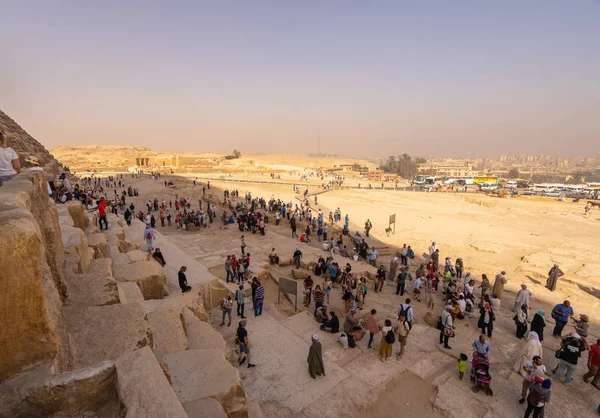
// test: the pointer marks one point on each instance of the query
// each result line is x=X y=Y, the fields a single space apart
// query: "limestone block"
x=117 y=257
x=143 y=389
x=76 y=211
x=28 y=316
x=168 y=332
x=126 y=246
x=200 y=335
x=299 y=274
x=137 y=255
x=97 y=287
x=68 y=394
x=106 y=332
x=205 y=408
x=75 y=243
x=285 y=263
x=91 y=254
x=254 y=410
x=431 y=319
x=100 y=245
x=129 y=292
x=200 y=374
x=149 y=276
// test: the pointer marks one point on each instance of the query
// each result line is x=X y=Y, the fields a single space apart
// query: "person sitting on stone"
x=332 y=324
x=273 y=256
x=321 y=315
x=159 y=257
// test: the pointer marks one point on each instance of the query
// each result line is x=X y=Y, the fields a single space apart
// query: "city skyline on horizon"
x=464 y=80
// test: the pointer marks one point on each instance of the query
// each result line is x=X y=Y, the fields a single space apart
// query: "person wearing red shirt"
x=593 y=365
x=102 y=213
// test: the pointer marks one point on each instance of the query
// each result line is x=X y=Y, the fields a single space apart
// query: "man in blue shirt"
x=561 y=314
x=482 y=347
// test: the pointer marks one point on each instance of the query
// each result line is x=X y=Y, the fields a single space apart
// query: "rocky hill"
x=26 y=145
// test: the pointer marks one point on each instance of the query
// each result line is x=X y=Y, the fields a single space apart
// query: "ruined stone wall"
x=31 y=277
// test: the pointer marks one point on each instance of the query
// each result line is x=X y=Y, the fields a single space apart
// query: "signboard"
x=289 y=286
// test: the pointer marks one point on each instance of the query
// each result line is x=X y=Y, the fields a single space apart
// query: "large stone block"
x=200 y=335
x=149 y=276
x=107 y=332
x=168 y=331
x=100 y=245
x=200 y=374
x=97 y=287
x=205 y=408
x=143 y=389
x=75 y=243
x=76 y=211
x=137 y=255
x=77 y=393
x=129 y=292
x=299 y=274
x=28 y=315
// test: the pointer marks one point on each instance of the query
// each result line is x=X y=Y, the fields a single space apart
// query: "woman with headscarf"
x=486 y=319
x=521 y=321
x=539 y=396
x=485 y=284
x=538 y=323
x=315 y=358
x=532 y=348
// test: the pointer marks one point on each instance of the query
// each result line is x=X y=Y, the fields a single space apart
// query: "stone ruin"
x=91 y=326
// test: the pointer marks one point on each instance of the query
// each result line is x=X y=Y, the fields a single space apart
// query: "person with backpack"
x=404 y=328
x=571 y=349
x=387 y=341
x=539 y=396
x=406 y=311
x=149 y=236
x=297 y=257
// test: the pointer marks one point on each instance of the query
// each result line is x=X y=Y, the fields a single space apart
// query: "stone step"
x=97 y=287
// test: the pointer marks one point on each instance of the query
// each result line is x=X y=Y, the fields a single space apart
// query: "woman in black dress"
x=538 y=323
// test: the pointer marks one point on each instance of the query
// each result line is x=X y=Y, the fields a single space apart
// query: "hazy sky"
x=428 y=78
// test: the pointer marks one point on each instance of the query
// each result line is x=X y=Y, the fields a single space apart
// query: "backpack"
x=389 y=337
x=148 y=235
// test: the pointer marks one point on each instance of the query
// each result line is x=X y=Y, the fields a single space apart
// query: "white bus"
x=547 y=187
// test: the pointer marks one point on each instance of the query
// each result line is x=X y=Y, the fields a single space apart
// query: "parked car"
x=529 y=193
x=554 y=193
x=522 y=184
x=577 y=195
x=488 y=187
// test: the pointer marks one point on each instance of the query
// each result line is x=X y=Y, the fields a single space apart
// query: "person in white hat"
x=315 y=358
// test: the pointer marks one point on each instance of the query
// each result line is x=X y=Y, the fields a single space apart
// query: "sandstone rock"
x=299 y=274
x=286 y=263
x=117 y=257
x=29 y=318
x=200 y=335
x=431 y=319
x=137 y=255
x=254 y=410
x=200 y=374
x=168 y=331
x=75 y=243
x=69 y=394
x=76 y=211
x=149 y=276
x=97 y=287
x=107 y=332
x=126 y=246
x=129 y=292
x=205 y=408
x=100 y=245
x=91 y=254
x=143 y=388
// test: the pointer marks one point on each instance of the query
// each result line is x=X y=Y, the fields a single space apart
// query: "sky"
x=430 y=78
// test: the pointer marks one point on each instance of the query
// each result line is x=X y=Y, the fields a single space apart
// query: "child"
x=462 y=365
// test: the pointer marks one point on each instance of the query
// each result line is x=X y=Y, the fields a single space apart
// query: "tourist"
x=553 y=276
x=539 y=396
x=352 y=328
x=240 y=298
x=446 y=327
x=495 y=302
x=459 y=266
x=183 y=284
x=404 y=328
x=435 y=258
x=462 y=365
x=128 y=216
x=582 y=327
x=159 y=257
x=403 y=251
x=273 y=257
x=327 y=285
x=315 y=358
x=333 y=324
x=432 y=249
x=482 y=347
x=368 y=226
x=242 y=339
x=380 y=279
x=410 y=254
x=102 y=214
x=593 y=365
x=243 y=245
x=228 y=271
x=148 y=236
x=308 y=284
x=571 y=349
x=486 y=319
x=246 y=265
x=319 y=297
x=373 y=254
x=538 y=323
x=10 y=164
x=522 y=298
x=293 y=226
x=259 y=299
x=531 y=349
x=401 y=281
x=407 y=311
x=387 y=341
x=498 y=288
x=372 y=327
x=532 y=371
x=521 y=319
x=485 y=283
x=417 y=288
x=226 y=308
x=430 y=293
x=321 y=314
x=561 y=314
x=297 y=257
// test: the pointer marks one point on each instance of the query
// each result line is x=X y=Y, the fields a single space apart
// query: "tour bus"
x=419 y=180
x=485 y=179
x=547 y=187
x=432 y=181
